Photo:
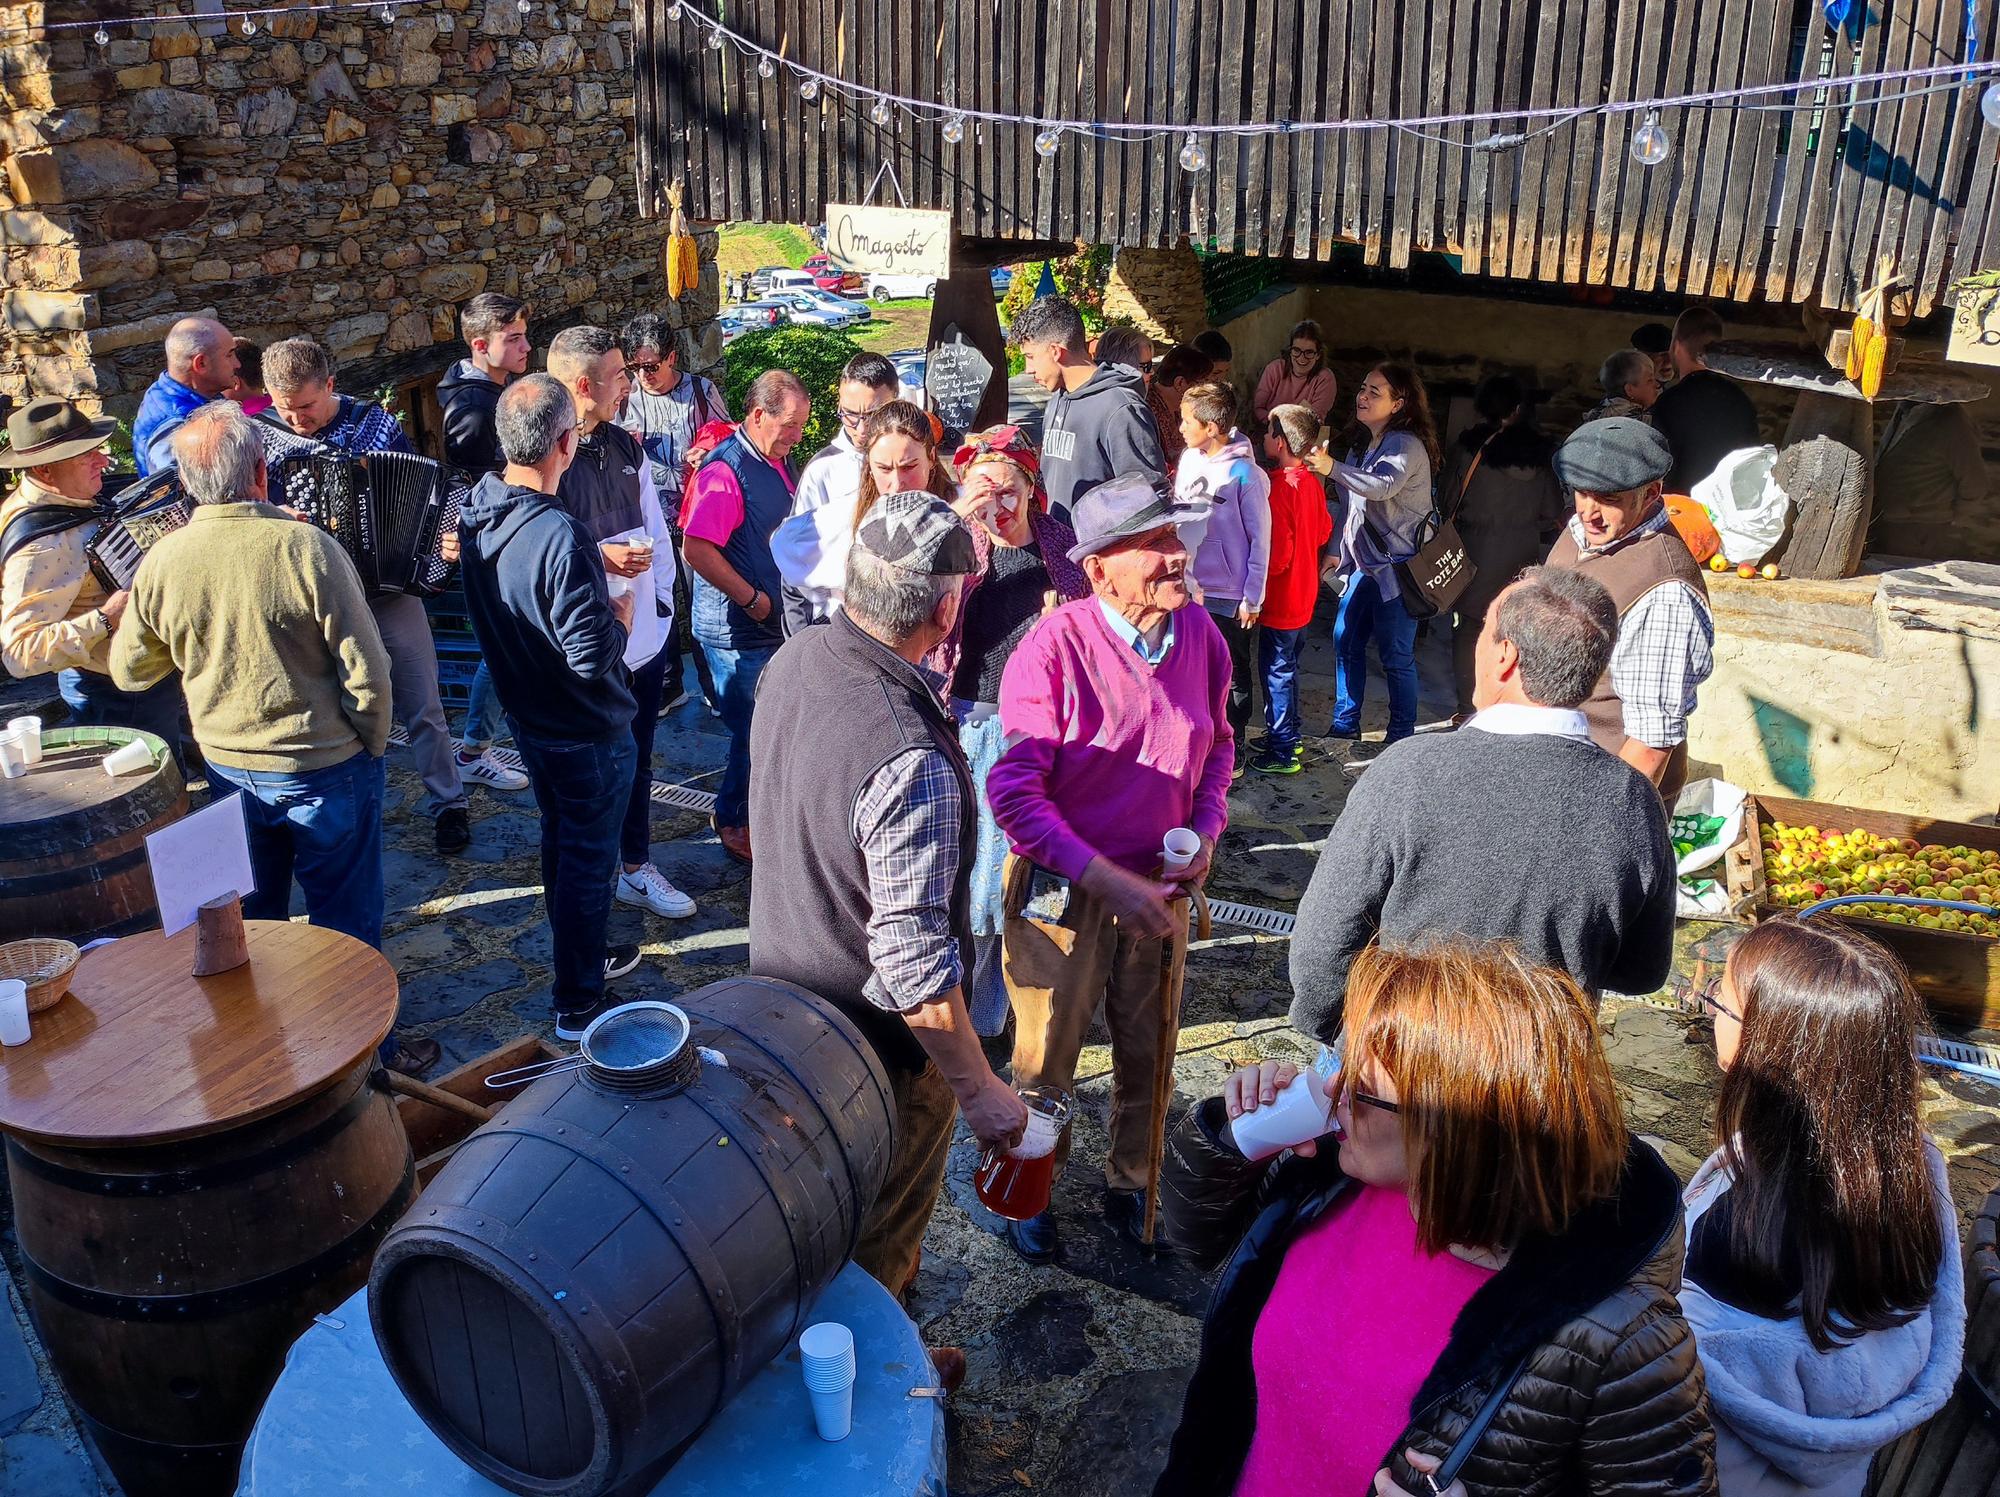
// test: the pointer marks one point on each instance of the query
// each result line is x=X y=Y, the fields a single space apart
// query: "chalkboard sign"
x=955 y=378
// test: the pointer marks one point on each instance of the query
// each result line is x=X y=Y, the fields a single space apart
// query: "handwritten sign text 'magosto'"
x=893 y=241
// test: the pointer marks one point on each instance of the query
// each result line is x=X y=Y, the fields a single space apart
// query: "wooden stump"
x=220 y=943
x=1827 y=466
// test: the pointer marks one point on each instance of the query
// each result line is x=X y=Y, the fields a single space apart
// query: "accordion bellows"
x=389 y=511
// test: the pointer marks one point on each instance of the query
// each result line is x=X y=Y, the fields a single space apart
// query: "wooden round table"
x=199 y=1165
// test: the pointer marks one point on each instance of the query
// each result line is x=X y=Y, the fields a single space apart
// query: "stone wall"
x=327 y=173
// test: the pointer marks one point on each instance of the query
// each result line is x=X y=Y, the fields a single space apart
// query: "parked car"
x=845 y=313
x=758 y=282
x=830 y=277
x=910 y=365
x=752 y=316
x=880 y=287
x=805 y=314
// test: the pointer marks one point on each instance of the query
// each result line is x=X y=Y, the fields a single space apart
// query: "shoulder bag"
x=1432 y=577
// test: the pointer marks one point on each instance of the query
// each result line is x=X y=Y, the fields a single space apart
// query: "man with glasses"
x=829 y=488
x=1517 y=827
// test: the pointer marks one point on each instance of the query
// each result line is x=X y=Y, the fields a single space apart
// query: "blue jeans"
x=95 y=701
x=324 y=827
x=736 y=672
x=1364 y=612
x=1278 y=662
x=582 y=789
x=635 y=837
x=482 y=713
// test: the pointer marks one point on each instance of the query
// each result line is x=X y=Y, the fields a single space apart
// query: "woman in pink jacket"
x=1298 y=376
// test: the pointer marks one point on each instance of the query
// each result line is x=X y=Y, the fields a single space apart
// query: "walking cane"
x=1173 y=971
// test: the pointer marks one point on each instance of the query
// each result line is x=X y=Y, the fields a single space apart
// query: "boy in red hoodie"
x=1300 y=525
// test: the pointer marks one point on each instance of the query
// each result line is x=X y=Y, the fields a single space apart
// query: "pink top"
x=1279 y=386
x=713 y=507
x=1107 y=754
x=1357 y=1318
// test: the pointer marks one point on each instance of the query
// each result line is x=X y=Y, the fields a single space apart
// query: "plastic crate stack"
x=457 y=650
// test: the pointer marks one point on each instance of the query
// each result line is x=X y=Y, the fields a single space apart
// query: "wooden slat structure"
x=1795 y=201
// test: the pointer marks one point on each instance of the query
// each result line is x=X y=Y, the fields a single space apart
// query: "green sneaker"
x=1276 y=762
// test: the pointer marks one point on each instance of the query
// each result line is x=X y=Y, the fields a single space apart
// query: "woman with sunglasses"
x=1479 y=1238
x=1298 y=376
x=1024 y=571
x=1823 y=1276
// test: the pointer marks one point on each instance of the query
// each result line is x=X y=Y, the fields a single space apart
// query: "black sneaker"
x=618 y=960
x=454 y=830
x=1276 y=761
x=571 y=1022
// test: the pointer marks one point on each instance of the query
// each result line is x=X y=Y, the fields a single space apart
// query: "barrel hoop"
x=1976 y=1393
x=708 y=1268
x=202 y=1177
x=27 y=885
x=183 y=1450
x=211 y=1304
x=780 y=1189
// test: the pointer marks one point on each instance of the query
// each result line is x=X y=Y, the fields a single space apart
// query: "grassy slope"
x=747 y=247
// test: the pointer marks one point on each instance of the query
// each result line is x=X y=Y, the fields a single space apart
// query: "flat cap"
x=917 y=532
x=1120 y=509
x=1613 y=456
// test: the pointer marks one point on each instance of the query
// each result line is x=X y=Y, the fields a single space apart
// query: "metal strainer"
x=644 y=1046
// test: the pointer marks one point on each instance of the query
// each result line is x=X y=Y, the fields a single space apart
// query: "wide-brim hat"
x=51 y=429
x=1120 y=509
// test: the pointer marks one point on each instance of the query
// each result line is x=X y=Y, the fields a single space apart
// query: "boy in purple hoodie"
x=1219 y=477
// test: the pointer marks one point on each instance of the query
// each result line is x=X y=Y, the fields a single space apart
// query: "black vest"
x=601 y=487
x=834 y=706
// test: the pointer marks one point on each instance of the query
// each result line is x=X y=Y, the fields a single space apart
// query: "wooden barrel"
x=73 y=839
x=1957 y=1453
x=597 y=1270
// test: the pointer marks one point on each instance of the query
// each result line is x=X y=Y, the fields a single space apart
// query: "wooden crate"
x=1957 y=972
x=436 y=1131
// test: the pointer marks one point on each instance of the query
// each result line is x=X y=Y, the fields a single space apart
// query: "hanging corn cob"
x=682 y=255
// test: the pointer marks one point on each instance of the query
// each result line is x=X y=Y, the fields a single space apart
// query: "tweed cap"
x=916 y=531
x=1613 y=456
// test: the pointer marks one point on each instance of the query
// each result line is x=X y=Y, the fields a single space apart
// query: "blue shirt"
x=1122 y=627
x=166 y=405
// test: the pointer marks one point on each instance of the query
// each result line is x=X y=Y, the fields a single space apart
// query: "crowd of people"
x=966 y=700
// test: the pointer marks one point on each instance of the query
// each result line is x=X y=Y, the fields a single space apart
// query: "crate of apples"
x=1803 y=864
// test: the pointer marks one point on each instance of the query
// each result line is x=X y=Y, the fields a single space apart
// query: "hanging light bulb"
x=881 y=112
x=673 y=11
x=525 y=7
x=1046 y=142
x=1989 y=105
x=388 y=16
x=1650 y=142
x=954 y=129
x=101 y=37
x=715 y=41
x=249 y=27
x=766 y=68
x=1193 y=157
x=809 y=89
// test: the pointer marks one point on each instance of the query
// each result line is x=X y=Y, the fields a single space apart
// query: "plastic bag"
x=1744 y=500
x=1706 y=822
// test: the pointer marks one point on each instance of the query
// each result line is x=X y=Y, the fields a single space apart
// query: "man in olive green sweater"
x=286 y=678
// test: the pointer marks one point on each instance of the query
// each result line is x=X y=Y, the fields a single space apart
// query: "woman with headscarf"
x=1024 y=570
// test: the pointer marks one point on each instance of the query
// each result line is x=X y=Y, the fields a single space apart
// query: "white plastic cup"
x=833 y=1411
x=128 y=758
x=13 y=756
x=1179 y=848
x=1297 y=1114
x=617 y=586
x=30 y=729
x=826 y=1353
x=13 y=1012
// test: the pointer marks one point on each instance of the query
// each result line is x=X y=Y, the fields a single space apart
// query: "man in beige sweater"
x=286 y=678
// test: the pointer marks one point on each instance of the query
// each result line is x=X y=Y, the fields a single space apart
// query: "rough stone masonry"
x=325 y=173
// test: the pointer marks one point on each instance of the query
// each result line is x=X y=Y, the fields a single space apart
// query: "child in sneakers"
x=1218 y=476
x=1301 y=524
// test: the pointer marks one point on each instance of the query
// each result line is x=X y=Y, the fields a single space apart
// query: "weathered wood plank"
x=1836 y=200
x=1506 y=189
x=1460 y=65
x=1586 y=86
x=1483 y=177
x=1921 y=146
x=1951 y=122
x=1412 y=76
x=1631 y=211
x=1284 y=151
x=1694 y=239
x=1380 y=60
x=1535 y=212
x=1306 y=147
x=1799 y=134
x=1664 y=182
x=1874 y=157
x=1753 y=166
x=1689 y=127
x=1232 y=100
x=1338 y=47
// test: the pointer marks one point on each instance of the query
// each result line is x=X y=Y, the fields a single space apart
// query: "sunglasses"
x=1357 y=1096
x=637 y=367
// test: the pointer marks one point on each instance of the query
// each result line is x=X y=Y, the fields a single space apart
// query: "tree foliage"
x=815 y=355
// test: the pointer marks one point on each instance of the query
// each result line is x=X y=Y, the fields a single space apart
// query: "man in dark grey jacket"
x=1098 y=424
x=1516 y=827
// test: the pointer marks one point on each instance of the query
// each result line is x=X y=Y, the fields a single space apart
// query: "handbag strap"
x=1468 y=1441
x=1465 y=485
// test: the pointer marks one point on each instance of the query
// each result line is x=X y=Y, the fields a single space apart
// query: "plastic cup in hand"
x=1178 y=849
x=1296 y=1114
x=30 y=729
x=129 y=759
x=1017 y=1184
x=13 y=756
x=13 y=1012
x=617 y=586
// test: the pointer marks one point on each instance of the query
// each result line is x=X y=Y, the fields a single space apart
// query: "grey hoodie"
x=1792 y=1419
x=1099 y=430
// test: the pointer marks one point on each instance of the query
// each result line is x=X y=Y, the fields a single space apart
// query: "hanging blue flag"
x=1046 y=286
x=1836 y=12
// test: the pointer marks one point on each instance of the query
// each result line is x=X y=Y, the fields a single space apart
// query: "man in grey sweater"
x=1516 y=827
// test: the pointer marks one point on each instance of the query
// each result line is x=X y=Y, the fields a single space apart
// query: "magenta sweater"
x=1108 y=754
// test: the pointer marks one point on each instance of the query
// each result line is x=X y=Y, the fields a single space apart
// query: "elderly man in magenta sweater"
x=1115 y=709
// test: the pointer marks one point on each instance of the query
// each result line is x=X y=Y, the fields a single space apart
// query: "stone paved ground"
x=1076 y=1368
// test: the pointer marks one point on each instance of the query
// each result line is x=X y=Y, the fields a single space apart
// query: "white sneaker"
x=649 y=889
x=490 y=772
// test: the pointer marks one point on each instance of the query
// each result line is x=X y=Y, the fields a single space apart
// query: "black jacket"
x=467 y=399
x=534 y=586
x=1611 y=1402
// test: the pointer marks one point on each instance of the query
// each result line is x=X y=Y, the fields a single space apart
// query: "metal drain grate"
x=683 y=797
x=1270 y=922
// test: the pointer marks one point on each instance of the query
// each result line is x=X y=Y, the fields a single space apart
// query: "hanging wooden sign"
x=889 y=241
x=1975 y=321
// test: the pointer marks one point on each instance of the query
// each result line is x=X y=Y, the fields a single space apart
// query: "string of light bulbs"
x=103 y=27
x=1651 y=143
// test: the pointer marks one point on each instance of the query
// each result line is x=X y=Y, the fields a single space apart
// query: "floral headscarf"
x=1006 y=444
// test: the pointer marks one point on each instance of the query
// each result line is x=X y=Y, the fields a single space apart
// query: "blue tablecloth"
x=337 y=1422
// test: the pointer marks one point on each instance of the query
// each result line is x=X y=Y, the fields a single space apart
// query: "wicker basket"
x=45 y=965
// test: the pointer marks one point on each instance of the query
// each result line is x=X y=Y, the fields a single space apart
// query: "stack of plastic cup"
x=30 y=729
x=826 y=1354
x=13 y=755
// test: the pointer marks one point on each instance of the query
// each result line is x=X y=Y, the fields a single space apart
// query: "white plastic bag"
x=1744 y=500
x=1702 y=891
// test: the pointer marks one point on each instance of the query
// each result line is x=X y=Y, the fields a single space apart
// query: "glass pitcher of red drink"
x=1016 y=1184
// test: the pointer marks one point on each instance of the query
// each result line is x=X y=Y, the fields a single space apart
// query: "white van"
x=879 y=287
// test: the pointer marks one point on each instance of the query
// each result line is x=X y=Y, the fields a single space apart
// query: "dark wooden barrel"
x=73 y=839
x=596 y=1271
x=1957 y=1454
x=169 y=1281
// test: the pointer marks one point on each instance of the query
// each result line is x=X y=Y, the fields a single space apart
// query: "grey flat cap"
x=1613 y=456
x=1120 y=509
x=916 y=531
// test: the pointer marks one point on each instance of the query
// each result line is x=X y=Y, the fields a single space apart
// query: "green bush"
x=815 y=355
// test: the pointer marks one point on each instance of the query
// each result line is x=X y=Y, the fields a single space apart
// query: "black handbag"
x=1431 y=578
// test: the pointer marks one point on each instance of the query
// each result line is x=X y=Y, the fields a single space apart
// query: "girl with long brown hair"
x=1823 y=1277
x=899 y=452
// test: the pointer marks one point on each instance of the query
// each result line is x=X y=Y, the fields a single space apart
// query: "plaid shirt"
x=906 y=823
x=361 y=426
x=1665 y=651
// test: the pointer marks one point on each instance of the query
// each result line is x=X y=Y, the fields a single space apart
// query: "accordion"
x=139 y=516
x=390 y=511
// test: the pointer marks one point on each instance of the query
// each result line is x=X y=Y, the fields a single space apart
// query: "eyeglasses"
x=636 y=367
x=856 y=418
x=1368 y=1099
x=1307 y=352
x=1705 y=996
